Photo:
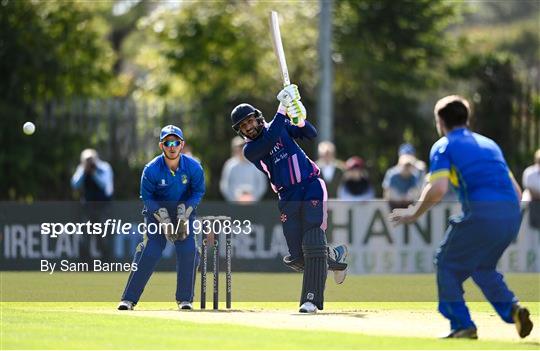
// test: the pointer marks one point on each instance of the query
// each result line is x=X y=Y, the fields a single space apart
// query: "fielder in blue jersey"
x=475 y=241
x=172 y=186
x=272 y=148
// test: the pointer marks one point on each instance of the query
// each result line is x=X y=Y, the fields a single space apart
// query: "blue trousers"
x=302 y=207
x=147 y=255
x=471 y=248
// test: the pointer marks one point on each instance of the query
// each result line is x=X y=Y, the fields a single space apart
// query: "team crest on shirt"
x=277 y=147
x=283 y=218
x=163 y=183
x=315 y=203
x=184 y=179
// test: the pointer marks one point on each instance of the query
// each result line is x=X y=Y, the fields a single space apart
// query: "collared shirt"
x=161 y=187
x=475 y=166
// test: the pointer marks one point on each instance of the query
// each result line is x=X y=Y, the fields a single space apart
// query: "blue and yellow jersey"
x=161 y=187
x=475 y=166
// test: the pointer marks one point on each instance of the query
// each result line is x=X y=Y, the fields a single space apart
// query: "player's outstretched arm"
x=432 y=194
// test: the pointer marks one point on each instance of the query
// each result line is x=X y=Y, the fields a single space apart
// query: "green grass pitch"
x=77 y=311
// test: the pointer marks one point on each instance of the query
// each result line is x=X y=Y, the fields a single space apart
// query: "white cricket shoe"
x=308 y=307
x=185 y=305
x=126 y=305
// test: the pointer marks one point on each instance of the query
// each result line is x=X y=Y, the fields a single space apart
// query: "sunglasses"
x=172 y=143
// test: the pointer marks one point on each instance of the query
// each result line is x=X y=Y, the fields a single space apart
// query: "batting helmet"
x=243 y=111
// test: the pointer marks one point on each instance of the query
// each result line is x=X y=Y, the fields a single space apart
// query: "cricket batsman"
x=476 y=240
x=272 y=148
x=172 y=186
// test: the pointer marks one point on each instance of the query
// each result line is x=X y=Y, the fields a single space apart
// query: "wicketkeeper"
x=302 y=193
x=172 y=186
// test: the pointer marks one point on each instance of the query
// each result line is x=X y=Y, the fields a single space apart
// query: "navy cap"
x=171 y=130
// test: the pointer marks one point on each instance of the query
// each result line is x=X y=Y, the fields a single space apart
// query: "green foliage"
x=391 y=62
x=384 y=51
x=496 y=65
x=526 y=46
x=37 y=166
x=389 y=52
x=493 y=11
x=47 y=50
x=494 y=95
x=223 y=54
x=216 y=59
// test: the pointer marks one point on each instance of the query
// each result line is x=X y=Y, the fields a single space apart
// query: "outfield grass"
x=247 y=287
x=60 y=324
x=53 y=326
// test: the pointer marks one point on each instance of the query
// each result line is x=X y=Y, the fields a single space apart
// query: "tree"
x=503 y=109
x=47 y=49
x=223 y=54
x=387 y=53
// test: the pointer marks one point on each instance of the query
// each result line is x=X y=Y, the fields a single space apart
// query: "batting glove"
x=288 y=94
x=297 y=112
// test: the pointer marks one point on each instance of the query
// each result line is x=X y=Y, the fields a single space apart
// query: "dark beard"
x=258 y=130
x=357 y=187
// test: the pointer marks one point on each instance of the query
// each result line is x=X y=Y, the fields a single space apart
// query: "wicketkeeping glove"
x=288 y=94
x=297 y=111
x=162 y=216
x=182 y=213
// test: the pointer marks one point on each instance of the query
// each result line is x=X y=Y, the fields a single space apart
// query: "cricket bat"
x=278 y=50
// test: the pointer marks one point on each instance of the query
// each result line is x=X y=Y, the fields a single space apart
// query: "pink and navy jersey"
x=276 y=153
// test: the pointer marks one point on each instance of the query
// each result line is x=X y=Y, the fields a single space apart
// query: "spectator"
x=94 y=177
x=402 y=186
x=419 y=165
x=531 y=184
x=355 y=183
x=240 y=180
x=331 y=169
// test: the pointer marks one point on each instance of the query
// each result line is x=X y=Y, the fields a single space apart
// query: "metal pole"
x=325 y=101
